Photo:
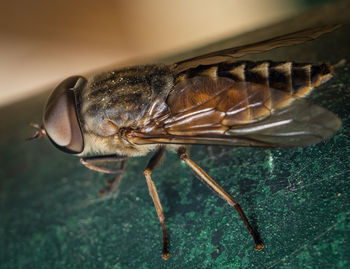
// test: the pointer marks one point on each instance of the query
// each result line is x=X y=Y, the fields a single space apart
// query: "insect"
x=211 y=99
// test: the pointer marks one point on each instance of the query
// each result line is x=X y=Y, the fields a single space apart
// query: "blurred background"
x=42 y=42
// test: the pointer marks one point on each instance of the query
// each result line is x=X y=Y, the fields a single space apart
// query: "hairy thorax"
x=121 y=100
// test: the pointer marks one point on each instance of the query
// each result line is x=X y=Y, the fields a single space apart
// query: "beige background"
x=42 y=42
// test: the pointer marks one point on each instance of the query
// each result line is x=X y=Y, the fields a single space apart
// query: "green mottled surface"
x=298 y=199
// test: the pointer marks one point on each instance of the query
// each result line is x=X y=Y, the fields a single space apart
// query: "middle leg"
x=154 y=161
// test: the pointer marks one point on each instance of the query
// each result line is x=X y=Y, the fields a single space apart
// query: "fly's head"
x=61 y=121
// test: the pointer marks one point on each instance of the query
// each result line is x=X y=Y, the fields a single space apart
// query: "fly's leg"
x=154 y=161
x=113 y=184
x=100 y=164
x=222 y=193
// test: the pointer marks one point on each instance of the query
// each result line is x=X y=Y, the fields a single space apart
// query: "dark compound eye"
x=60 y=116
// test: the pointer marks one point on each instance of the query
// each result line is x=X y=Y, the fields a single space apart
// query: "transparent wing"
x=222 y=111
x=276 y=42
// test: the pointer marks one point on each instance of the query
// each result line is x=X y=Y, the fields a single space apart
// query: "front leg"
x=100 y=164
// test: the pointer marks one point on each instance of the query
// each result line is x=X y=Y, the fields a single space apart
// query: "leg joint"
x=161 y=217
x=233 y=203
x=181 y=152
x=147 y=172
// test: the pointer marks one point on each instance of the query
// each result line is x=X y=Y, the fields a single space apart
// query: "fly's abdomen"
x=261 y=87
x=298 y=79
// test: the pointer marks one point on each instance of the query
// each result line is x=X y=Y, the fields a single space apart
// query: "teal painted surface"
x=298 y=199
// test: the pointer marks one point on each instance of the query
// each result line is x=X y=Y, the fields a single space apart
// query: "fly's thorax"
x=120 y=99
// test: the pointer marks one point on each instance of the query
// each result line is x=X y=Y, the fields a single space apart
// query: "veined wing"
x=258 y=47
x=222 y=111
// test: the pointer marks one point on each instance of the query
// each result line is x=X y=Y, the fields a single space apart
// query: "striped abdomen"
x=244 y=92
x=294 y=78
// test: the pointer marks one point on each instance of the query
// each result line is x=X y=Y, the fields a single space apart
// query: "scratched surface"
x=298 y=199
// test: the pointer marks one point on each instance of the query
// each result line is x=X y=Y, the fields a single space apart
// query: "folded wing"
x=222 y=111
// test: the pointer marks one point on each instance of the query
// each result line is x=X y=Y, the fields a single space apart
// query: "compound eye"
x=60 y=116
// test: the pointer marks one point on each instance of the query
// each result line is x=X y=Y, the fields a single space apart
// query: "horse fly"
x=211 y=99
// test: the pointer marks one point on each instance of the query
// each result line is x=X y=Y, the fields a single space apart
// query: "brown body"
x=122 y=109
x=210 y=99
